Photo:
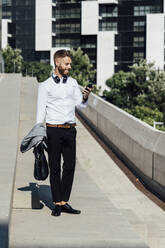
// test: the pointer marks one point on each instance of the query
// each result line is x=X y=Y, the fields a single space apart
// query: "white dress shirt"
x=57 y=101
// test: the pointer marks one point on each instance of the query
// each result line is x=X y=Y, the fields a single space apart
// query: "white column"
x=43 y=25
x=163 y=6
x=108 y=1
x=105 y=57
x=89 y=17
x=4 y=34
x=155 y=39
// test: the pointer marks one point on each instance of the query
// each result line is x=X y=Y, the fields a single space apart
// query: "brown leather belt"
x=66 y=125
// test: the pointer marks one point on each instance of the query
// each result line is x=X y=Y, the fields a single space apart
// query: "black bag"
x=41 y=170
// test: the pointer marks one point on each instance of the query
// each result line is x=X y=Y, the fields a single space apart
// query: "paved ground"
x=9 y=120
x=114 y=213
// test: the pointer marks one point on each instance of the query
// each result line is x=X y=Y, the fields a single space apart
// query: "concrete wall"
x=140 y=144
x=89 y=18
x=43 y=25
x=105 y=57
x=155 y=39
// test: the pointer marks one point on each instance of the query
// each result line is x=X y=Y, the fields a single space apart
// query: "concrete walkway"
x=9 y=121
x=114 y=213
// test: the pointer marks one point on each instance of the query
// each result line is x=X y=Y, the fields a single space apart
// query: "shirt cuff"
x=84 y=100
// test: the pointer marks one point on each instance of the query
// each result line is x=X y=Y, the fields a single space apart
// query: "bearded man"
x=57 y=98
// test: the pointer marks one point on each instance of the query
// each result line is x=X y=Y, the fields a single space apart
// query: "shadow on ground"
x=40 y=195
x=4 y=232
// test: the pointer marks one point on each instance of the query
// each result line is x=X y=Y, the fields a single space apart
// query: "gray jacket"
x=36 y=135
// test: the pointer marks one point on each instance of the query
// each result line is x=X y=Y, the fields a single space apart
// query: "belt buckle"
x=66 y=125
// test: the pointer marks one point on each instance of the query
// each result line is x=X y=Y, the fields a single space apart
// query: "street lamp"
x=14 y=65
x=157 y=123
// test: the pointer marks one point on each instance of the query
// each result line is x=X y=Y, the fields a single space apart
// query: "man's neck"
x=56 y=72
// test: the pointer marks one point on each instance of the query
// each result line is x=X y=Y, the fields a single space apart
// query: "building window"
x=24 y=28
x=67 y=13
x=23 y=14
x=6 y=14
x=143 y=10
x=25 y=43
x=138 y=41
x=66 y=28
x=6 y=3
x=88 y=45
x=139 y=26
x=69 y=1
x=107 y=26
x=138 y=56
x=24 y=3
x=65 y=42
x=108 y=10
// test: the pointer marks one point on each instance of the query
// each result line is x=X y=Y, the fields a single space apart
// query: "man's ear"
x=57 y=62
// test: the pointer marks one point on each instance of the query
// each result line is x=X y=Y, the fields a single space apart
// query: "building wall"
x=89 y=18
x=90 y=25
x=155 y=39
x=43 y=21
x=105 y=57
x=4 y=41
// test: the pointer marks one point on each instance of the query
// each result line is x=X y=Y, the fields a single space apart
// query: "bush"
x=147 y=115
x=36 y=69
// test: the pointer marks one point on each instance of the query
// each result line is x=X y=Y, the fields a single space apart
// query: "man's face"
x=63 y=65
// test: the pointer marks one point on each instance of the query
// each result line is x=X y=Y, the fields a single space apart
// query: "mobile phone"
x=90 y=85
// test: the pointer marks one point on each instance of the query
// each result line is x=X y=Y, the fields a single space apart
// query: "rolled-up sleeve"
x=41 y=103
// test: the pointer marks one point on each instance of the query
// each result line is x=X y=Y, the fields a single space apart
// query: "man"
x=57 y=98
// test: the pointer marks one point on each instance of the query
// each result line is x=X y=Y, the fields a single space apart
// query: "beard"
x=62 y=71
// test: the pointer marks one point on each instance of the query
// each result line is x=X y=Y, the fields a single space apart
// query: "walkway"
x=114 y=213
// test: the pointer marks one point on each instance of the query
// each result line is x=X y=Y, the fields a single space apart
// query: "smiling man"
x=57 y=98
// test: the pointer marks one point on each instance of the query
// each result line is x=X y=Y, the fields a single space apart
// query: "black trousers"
x=61 y=141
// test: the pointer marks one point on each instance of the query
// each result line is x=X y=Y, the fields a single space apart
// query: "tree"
x=119 y=93
x=36 y=69
x=13 y=60
x=141 y=91
x=82 y=70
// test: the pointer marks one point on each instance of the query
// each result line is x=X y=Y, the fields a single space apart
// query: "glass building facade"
x=6 y=9
x=67 y=15
x=67 y=27
x=23 y=30
x=127 y=18
x=131 y=37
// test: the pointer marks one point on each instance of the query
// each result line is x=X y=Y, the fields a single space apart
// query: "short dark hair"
x=61 y=54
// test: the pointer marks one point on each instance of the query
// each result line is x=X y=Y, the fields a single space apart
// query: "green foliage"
x=36 y=69
x=119 y=89
x=13 y=60
x=147 y=115
x=141 y=92
x=82 y=70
